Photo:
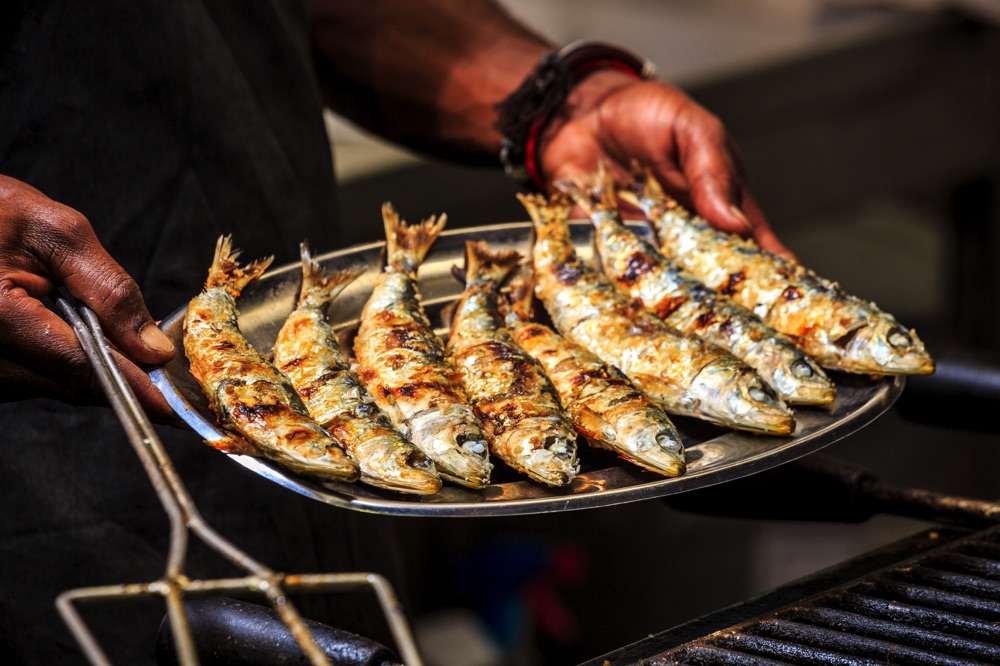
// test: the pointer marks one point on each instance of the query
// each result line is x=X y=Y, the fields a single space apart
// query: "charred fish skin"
x=685 y=375
x=253 y=401
x=838 y=330
x=403 y=365
x=640 y=270
x=307 y=352
x=606 y=408
x=518 y=405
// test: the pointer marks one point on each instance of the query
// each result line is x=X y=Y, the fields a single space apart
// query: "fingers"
x=688 y=149
x=77 y=260
x=44 y=244
x=762 y=233
x=145 y=391
x=43 y=358
x=712 y=170
x=716 y=182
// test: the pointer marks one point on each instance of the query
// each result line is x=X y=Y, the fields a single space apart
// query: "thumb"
x=94 y=278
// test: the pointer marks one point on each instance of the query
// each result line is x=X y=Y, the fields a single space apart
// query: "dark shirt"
x=166 y=123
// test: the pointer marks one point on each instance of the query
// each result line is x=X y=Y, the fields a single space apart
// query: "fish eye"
x=475 y=446
x=898 y=337
x=558 y=447
x=669 y=443
x=802 y=370
x=418 y=459
x=758 y=393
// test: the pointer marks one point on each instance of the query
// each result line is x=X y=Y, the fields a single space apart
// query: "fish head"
x=452 y=438
x=884 y=346
x=653 y=443
x=544 y=449
x=732 y=394
x=400 y=466
x=798 y=379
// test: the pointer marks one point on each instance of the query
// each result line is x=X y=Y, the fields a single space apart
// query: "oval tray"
x=715 y=455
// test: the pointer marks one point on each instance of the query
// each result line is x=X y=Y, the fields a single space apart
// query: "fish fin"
x=579 y=191
x=226 y=272
x=533 y=204
x=234 y=444
x=408 y=244
x=448 y=311
x=543 y=212
x=595 y=193
x=459 y=273
x=484 y=265
x=518 y=294
x=597 y=431
x=642 y=185
x=603 y=189
x=320 y=287
x=345 y=338
x=672 y=396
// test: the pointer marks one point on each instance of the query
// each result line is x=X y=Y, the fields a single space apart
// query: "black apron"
x=166 y=124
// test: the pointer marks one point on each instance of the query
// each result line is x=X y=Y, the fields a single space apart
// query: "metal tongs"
x=184 y=517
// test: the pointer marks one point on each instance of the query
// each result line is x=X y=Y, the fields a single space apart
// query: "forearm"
x=426 y=74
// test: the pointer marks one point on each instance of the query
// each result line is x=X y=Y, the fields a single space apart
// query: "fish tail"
x=483 y=264
x=636 y=186
x=603 y=189
x=519 y=293
x=594 y=194
x=544 y=212
x=226 y=272
x=533 y=204
x=408 y=244
x=320 y=287
x=642 y=189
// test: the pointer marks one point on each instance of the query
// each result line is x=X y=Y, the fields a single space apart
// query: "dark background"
x=873 y=147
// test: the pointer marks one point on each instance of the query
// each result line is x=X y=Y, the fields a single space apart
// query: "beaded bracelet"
x=523 y=115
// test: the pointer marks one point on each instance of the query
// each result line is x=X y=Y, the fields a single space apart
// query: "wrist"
x=577 y=124
x=565 y=83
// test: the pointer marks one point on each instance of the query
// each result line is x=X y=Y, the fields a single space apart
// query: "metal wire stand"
x=184 y=518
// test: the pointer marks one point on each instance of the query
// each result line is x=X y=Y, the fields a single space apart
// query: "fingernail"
x=740 y=216
x=155 y=339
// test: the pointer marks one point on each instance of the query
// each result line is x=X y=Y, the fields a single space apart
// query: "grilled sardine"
x=518 y=405
x=251 y=398
x=307 y=351
x=402 y=361
x=606 y=408
x=640 y=270
x=686 y=375
x=840 y=331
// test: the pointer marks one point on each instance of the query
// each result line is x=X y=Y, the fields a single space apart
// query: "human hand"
x=44 y=245
x=612 y=116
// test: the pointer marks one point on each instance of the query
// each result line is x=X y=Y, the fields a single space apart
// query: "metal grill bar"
x=928 y=597
x=806 y=653
x=964 y=583
x=935 y=620
x=985 y=549
x=901 y=632
x=979 y=564
x=939 y=609
x=853 y=643
x=716 y=656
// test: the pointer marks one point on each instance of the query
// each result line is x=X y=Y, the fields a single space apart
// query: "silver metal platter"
x=715 y=455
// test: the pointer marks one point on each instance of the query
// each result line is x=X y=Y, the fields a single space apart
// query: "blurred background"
x=870 y=135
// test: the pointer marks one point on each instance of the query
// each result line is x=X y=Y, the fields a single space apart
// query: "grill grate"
x=940 y=608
